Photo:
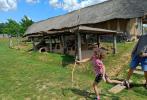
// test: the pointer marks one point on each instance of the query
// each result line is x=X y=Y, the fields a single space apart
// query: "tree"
x=12 y=27
x=2 y=25
x=25 y=23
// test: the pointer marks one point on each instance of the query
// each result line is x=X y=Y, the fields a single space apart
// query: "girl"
x=99 y=69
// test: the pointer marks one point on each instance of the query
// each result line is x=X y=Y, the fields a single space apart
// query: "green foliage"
x=15 y=28
x=2 y=25
x=11 y=27
x=25 y=23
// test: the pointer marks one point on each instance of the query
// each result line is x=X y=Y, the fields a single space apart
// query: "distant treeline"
x=13 y=28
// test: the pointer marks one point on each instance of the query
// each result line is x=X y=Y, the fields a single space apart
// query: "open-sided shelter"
x=112 y=17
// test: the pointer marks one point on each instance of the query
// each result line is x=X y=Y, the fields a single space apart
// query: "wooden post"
x=34 y=46
x=50 y=43
x=114 y=44
x=86 y=42
x=63 y=38
x=63 y=45
x=98 y=40
x=79 y=46
x=118 y=25
x=10 y=42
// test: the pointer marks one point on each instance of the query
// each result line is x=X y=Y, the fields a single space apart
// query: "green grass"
x=47 y=76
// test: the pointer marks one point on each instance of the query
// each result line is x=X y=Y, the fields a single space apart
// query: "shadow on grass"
x=133 y=85
x=91 y=96
x=83 y=93
x=66 y=60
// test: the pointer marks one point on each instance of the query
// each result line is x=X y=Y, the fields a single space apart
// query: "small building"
x=4 y=36
x=69 y=33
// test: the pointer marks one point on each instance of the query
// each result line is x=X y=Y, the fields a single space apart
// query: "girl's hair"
x=99 y=53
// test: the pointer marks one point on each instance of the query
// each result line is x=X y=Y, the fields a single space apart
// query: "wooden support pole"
x=118 y=25
x=50 y=43
x=64 y=45
x=79 y=46
x=34 y=46
x=114 y=44
x=98 y=40
x=86 y=42
x=10 y=42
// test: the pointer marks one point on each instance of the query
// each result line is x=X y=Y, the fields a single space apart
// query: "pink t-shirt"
x=97 y=65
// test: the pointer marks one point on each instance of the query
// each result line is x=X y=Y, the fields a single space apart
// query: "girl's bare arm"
x=85 y=60
x=104 y=72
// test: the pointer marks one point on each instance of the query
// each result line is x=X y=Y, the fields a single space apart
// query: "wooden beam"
x=114 y=44
x=79 y=46
x=96 y=30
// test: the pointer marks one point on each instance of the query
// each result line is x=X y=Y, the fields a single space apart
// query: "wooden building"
x=112 y=17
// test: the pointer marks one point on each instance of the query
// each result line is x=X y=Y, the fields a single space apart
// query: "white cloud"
x=71 y=5
x=6 y=5
x=32 y=1
x=54 y=3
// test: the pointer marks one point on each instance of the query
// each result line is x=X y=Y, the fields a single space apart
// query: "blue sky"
x=39 y=9
x=36 y=12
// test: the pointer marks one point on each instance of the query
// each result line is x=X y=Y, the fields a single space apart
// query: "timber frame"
x=77 y=32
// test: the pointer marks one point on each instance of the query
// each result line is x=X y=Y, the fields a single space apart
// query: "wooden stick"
x=73 y=71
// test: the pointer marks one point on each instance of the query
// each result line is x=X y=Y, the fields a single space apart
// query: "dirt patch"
x=117 y=69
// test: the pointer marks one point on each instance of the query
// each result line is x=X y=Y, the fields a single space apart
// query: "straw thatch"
x=112 y=9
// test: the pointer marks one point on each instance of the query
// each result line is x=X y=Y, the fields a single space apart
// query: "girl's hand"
x=104 y=78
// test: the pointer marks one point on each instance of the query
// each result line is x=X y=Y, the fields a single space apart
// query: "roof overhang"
x=74 y=30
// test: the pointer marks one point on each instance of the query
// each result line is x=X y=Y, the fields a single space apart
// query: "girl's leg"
x=145 y=75
x=130 y=74
x=108 y=80
x=95 y=89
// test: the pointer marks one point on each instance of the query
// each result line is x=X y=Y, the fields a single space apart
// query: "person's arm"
x=134 y=49
x=143 y=55
x=85 y=60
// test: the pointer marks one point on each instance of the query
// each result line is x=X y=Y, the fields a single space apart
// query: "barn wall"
x=131 y=27
x=134 y=28
x=112 y=25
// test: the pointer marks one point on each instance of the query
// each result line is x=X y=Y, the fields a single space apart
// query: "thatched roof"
x=112 y=9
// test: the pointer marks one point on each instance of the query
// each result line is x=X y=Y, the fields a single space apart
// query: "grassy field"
x=47 y=76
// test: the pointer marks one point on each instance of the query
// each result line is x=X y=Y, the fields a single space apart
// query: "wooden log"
x=116 y=89
x=138 y=71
